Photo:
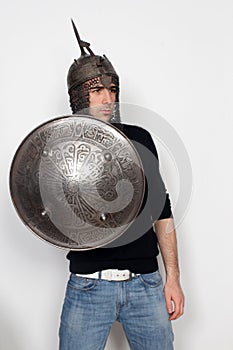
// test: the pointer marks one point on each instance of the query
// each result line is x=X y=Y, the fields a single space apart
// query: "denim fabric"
x=91 y=306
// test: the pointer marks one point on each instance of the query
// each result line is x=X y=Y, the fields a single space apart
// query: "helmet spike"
x=82 y=44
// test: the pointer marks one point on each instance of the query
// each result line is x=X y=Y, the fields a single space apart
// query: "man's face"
x=101 y=101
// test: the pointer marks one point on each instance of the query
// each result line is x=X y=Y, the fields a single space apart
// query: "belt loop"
x=100 y=273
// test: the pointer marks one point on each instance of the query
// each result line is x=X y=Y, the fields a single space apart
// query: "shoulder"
x=139 y=136
x=133 y=131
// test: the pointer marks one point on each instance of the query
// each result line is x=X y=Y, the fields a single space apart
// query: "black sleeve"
x=159 y=201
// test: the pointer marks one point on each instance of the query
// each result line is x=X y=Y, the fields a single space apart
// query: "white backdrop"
x=173 y=57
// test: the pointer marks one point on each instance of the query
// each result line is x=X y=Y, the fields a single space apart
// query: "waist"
x=110 y=275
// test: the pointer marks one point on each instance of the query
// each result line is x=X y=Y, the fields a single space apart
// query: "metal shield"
x=77 y=182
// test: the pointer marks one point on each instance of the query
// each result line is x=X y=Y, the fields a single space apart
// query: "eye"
x=96 y=89
x=113 y=89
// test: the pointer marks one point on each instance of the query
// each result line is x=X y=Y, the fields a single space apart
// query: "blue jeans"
x=91 y=306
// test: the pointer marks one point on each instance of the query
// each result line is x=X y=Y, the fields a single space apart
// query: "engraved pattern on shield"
x=84 y=185
x=77 y=182
x=25 y=189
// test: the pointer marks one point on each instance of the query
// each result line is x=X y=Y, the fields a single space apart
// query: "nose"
x=107 y=96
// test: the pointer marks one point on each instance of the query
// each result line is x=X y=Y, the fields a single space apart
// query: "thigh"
x=145 y=318
x=87 y=315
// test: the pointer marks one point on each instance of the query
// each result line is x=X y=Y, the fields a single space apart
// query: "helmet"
x=85 y=72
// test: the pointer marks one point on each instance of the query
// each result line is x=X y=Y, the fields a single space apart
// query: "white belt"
x=111 y=275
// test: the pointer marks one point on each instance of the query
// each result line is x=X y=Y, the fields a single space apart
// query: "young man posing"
x=134 y=293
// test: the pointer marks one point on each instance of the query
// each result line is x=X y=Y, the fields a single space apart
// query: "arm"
x=163 y=225
x=174 y=296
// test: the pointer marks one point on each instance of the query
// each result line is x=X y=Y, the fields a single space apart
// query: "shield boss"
x=77 y=182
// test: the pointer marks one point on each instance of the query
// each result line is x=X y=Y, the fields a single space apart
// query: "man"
x=133 y=294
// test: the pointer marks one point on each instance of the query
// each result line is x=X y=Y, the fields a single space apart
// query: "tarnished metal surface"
x=86 y=71
x=77 y=182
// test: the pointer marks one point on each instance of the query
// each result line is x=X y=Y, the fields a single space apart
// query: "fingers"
x=174 y=303
x=178 y=309
x=170 y=306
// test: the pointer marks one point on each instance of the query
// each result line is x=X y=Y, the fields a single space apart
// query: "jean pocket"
x=153 y=279
x=81 y=283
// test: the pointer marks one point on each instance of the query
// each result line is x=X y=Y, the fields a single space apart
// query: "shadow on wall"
x=117 y=339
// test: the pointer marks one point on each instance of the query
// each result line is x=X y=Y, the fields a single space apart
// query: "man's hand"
x=174 y=298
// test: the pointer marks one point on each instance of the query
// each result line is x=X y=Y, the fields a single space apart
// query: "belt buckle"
x=121 y=275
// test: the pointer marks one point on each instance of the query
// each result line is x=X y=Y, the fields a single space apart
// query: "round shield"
x=77 y=182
